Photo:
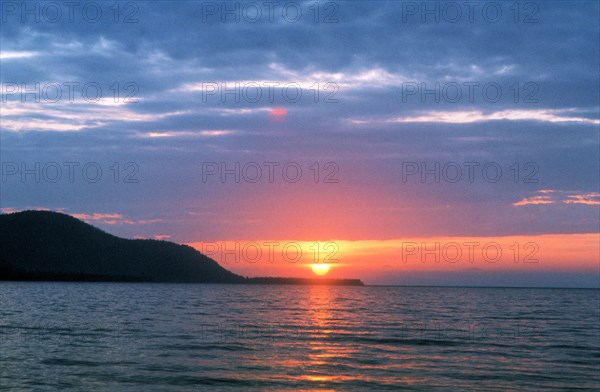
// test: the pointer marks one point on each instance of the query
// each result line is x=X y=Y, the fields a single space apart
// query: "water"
x=120 y=336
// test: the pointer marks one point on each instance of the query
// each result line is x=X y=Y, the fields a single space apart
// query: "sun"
x=320 y=268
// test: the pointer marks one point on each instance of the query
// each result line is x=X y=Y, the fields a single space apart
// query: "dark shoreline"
x=33 y=277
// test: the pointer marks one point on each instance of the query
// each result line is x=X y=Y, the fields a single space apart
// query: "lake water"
x=121 y=336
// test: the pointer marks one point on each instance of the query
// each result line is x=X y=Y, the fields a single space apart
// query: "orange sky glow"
x=369 y=259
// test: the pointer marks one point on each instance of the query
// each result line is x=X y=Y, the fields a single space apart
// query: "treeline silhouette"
x=44 y=245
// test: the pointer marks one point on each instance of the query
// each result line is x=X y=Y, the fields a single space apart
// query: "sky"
x=389 y=135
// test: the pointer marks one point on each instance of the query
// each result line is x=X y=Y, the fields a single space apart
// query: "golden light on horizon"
x=320 y=268
x=393 y=258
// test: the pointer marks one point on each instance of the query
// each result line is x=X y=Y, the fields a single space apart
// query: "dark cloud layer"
x=371 y=54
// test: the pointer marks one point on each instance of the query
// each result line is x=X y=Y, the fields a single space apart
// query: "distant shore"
x=40 y=277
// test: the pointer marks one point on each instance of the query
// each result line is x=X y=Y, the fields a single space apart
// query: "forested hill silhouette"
x=44 y=245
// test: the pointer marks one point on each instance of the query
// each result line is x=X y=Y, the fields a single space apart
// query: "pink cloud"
x=550 y=196
x=592 y=199
x=278 y=114
x=534 y=200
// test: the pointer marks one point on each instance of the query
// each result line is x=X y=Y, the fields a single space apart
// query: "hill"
x=44 y=245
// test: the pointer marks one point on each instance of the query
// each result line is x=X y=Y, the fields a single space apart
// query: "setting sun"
x=320 y=269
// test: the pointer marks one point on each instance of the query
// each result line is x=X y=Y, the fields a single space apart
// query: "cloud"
x=592 y=199
x=278 y=76
x=551 y=196
x=13 y=54
x=534 y=200
x=159 y=237
x=278 y=114
x=72 y=116
x=111 y=219
x=183 y=134
x=369 y=53
x=473 y=116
